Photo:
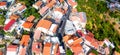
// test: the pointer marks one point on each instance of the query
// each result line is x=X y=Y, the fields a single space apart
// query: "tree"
x=2 y=19
x=68 y=52
x=28 y=3
x=31 y=11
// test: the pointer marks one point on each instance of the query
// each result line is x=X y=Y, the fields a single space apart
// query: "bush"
x=69 y=52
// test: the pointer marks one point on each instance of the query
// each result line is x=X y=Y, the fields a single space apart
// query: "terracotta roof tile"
x=101 y=43
x=15 y=17
x=66 y=38
x=22 y=7
x=78 y=41
x=72 y=3
x=60 y=10
x=46 y=49
x=30 y=18
x=36 y=47
x=3 y=3
x=23 y=51
x=1 y=53
x=38 y=3
x=56 y=49
x=76 y=48
x=25 y=39
x=27 y=25
x=51 y=4
x=44 y=23
x=43 y=10
x=37 y=34
x=12 y=48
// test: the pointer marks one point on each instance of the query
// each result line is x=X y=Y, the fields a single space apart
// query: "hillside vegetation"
x=98 y=20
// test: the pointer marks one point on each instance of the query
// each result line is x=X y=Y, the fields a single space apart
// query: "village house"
x=53 y=29
x=27 y=26
x=37 y=34
x=79 y=20
x=69 y=28
x=57 y=14
x=108 y=43
x=36 y=48
x=15 y=17
x=12 y=50
x=74 y=43
x=3 y=5
x=11 y=23
x=31 y=18
x=44 y=10
x=51 y=49
x=19 y=28
x=44 y=25
x=47 y=49
x=37 y=5
x=9 y=26
x=72 y=3
x=18 y=8
x=24 y=45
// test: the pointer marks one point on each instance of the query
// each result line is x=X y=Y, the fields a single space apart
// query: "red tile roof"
x=38 y=3
x=30 y=18
x=56 y=49
x=81 y=33
x=15 y=17
x=22 y=7
x=78 y=41
x=66 y=38
x=3 y=3
x=43 y=10
x=12 y=48
x=88 y=38
x=72 y=3
x=23 y=51
x=76 y=48
x=51 y=4
x=25 y=39
x=44 y=23
x=27 y=25
x=37 y=34
x=91 y=34
x=93 y=41
x=60 y=10
x=46 y=49
x=1 y=53
x=36 y=47
x=7 y=26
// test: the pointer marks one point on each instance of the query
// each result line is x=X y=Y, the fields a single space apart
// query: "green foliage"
x=28 y=3
x=68 y=52
x=96 y=20
x=94 y=51
x=2 y=19
x=31 y=11
x=25 y=32
x=2 y=45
